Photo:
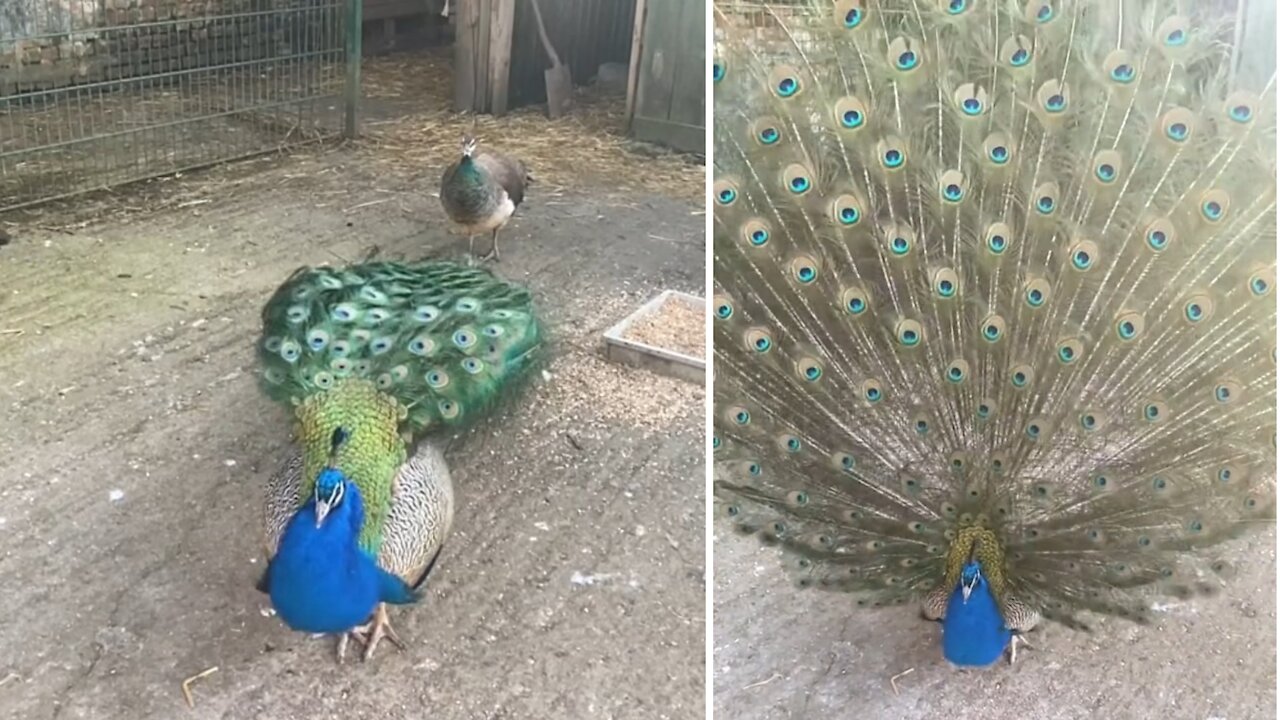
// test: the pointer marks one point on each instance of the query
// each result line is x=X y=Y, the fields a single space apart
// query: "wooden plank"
x=633 y=72
x=658 y=70
x=686 y=138
x=484 y=18
x=670 y=100
x=464 y=66
x=688 y=92
x=501 y=31
x=471 y=57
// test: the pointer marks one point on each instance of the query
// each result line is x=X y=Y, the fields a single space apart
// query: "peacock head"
x=970 y=578
x=331 y=485
x=468 y=145
x=331 y=488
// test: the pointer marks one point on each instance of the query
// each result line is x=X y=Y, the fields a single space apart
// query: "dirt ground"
x=784 y=653
x=136 y=446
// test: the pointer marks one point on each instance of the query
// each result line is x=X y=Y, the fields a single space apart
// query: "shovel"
x=559 y=81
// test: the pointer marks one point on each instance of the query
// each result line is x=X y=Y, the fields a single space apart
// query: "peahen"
x=481 y=191
x=371 y=358
x=994 y=308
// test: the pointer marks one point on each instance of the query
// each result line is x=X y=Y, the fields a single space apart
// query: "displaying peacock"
x=373 y=357
x=994 y=309
x=481 y=191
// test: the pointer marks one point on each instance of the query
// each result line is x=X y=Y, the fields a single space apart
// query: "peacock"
x=994 y=318
x=481 y=191
x=372 y=358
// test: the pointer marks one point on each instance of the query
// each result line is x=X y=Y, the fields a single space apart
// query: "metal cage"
x=96 y=93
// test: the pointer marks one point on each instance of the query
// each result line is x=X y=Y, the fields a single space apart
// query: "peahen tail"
x=994 y=279
x=391 y=351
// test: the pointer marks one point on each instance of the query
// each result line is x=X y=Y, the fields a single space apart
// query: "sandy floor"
x=783 y=653
x=136 y=444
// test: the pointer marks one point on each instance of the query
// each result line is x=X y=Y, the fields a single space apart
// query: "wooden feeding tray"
x=667 y=335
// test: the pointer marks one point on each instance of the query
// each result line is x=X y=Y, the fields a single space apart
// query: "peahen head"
x=468 y=145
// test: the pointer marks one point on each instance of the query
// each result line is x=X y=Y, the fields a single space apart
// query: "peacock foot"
x=493 y=252
x=370 y=634
x=1013 y=646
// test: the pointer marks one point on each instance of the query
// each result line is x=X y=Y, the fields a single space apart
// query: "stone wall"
x=49 y=44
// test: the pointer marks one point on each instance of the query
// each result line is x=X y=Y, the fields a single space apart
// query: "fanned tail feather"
x=996 y=264
x=445 y=340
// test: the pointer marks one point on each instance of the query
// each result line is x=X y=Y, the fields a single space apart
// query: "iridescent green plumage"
x=391 y=351
x=994 y=279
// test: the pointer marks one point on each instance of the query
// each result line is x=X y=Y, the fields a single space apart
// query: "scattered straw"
x=579 y=150
x=410 y=134
x=675 y=325
x=186 y=685
x=773 y=677
x=893 y=681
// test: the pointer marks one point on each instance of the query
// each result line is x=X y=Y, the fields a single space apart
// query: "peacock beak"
x=322 y=510
x=964 y=591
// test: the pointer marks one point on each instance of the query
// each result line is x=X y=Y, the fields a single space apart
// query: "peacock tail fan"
x=994 y=279
x=391 y=351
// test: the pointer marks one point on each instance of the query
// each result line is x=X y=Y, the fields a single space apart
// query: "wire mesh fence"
x=96 y=93
x=762 y=22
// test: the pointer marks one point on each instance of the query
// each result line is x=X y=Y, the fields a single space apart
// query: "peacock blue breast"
x=974 y=632
x=320 y=581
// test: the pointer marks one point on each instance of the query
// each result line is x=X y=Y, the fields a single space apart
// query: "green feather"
x=389 y=350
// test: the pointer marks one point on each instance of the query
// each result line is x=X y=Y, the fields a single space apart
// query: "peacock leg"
x=1013 y=647
x=1020 y=618
x=493 y=253
x=376 y=629
x=471 y=249
x=342 y=647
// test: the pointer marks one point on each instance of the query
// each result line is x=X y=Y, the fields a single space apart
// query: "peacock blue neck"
x=973 y=630
x=372 y=455
x=320 y=581
x=347 y=515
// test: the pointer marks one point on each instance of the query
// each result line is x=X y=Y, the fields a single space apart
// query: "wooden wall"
x=670 y=103
x=586 y=33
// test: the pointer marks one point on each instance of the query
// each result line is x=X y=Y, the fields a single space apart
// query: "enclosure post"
x=351 y=95
x=501 y=30
x=633 y=72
